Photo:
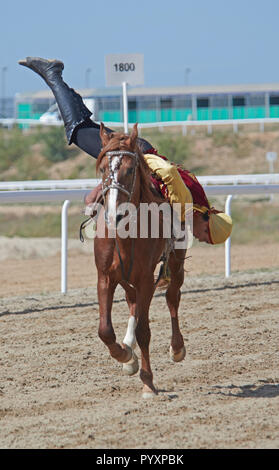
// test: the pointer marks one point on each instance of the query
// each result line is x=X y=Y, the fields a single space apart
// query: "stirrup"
x=90 y=228
x=164 y=276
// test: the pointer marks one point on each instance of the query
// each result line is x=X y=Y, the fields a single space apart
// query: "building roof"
x=172 y=90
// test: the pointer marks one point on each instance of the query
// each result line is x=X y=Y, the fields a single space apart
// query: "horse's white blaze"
x=113 y=194
x=130 y=337
x=112 y=199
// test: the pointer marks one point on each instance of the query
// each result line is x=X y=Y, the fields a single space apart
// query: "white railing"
x=235 y=123
x=267 y=178
x=49 y=184
x=9 y=122
x=40 y=196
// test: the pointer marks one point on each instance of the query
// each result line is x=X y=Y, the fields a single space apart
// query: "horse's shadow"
x=267 y=390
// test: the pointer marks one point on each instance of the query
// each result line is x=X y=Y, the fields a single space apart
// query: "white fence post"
x=228 y=241
x=64 y=247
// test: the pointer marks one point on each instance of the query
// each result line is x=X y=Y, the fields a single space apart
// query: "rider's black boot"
x=72 y=108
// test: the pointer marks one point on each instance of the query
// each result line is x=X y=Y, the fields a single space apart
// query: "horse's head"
x=118 y=163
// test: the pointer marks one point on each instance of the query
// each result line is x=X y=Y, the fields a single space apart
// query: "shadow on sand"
x=265 y=390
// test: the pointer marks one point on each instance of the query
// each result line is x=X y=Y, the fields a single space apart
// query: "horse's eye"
x=129 y=171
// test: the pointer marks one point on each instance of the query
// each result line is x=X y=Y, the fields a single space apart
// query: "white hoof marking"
x=130 y=337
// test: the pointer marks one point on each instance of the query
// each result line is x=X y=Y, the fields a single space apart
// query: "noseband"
x=115 y=159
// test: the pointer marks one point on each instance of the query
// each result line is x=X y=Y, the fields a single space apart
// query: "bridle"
x=115 y=160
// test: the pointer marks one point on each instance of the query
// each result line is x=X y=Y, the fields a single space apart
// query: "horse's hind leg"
x=106 y=290
x=176 y=264
x=131 y=367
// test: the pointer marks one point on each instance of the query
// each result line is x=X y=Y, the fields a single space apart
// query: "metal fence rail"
x=49 y=184
x=267 y=178
x=235 y=123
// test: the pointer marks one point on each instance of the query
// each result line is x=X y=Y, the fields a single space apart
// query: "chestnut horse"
x=131 y=262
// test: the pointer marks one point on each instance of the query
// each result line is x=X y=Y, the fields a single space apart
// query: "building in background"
x=7 y=108
x=162 y=104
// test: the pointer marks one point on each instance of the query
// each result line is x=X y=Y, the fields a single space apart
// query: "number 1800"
x=125 y=67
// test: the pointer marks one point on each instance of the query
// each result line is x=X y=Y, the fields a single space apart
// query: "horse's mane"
x=119 y=141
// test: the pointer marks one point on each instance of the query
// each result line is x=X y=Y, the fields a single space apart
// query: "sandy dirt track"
x=59 y=388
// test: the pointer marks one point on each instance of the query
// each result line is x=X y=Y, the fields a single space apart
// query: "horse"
x=131 y=262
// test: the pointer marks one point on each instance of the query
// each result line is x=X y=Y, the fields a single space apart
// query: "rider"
x=209 y=225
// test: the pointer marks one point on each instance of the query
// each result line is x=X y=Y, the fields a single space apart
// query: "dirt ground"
x=34 y=265
x=59 y=388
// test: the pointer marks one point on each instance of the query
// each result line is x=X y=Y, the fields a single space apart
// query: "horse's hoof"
x=148 y=393
x=129 y=354
x=132 y=366
x=177 y=357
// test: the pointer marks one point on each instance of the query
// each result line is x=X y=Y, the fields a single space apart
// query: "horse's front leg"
x=106 y=288
x=176 y=265
x=145 y=293
x=131 y=367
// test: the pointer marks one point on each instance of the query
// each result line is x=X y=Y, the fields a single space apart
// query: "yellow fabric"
x=220 y=227
x=202 y=209
x=177 y=190
x=220 y=224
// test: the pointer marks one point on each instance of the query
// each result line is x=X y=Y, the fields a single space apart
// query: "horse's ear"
x=104 y=135
x=134 y=135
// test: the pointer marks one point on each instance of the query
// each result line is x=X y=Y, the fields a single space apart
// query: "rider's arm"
x=177 y=190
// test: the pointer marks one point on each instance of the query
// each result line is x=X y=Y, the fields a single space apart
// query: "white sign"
x=121 y=68
x=271 y=156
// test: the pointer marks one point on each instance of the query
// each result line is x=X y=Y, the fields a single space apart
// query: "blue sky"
x=222 y=42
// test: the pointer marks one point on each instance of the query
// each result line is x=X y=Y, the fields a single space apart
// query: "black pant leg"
x=87 y=138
